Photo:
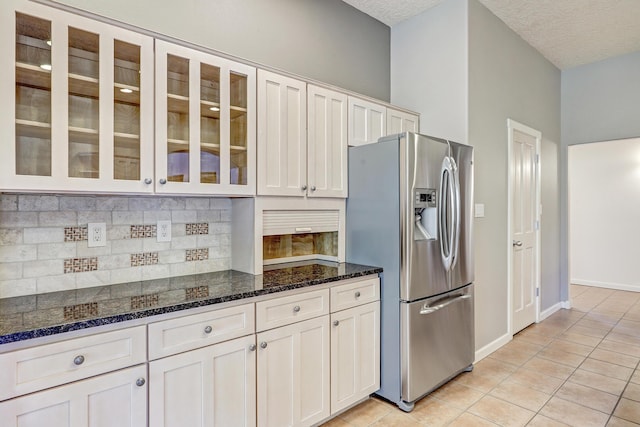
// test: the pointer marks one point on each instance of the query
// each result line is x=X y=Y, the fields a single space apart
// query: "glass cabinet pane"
x=177 y=119
x=126 y=111
x=83 y=104
x=33 y=96
x=209 y=124
x=238 y=129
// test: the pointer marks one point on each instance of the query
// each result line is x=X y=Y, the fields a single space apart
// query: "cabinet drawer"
x=199 y=330
x=37 y=368
x=295 y=308
x=354 y=294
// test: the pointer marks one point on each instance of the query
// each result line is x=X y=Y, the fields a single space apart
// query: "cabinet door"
x=205 y=123
x=118 y=399
x=367 y=121
x=327 y=143
x=293 y=374
x=355 y=354
x=399 y=121
x=282 y=135
x=211 y=386
x=79 y=114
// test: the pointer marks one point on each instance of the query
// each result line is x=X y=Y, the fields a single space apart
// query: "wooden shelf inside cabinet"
x=130 y=96
x=237 y=112
x=32 y=129
x=178 y=103
x=83 y=85
x=126 y=140
x=33 y=75
x=80 y=135
x=206 y=109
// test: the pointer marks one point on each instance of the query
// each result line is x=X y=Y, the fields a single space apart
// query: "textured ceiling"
x=567 y=32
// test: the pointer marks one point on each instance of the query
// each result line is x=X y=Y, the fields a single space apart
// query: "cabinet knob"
x=263 y=344
x=313 y=188
x=304 y=187
x=357 y=294
x=208 y=329
x=336 y=322
x=78 y=360
x=252 y=347
x=162 y=181
x=148 y=181
x=140 y=382
x=296 y=309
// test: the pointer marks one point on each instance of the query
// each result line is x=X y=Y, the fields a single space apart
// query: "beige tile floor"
x=578 y=367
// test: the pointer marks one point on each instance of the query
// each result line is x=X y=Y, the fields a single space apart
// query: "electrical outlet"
x=164 y=231
x=96 y=234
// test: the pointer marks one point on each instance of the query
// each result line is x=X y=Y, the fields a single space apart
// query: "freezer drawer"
x=437 y=341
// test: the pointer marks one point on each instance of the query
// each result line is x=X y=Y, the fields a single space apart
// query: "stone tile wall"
x=43 y=240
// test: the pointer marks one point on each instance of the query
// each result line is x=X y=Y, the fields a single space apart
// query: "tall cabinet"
x=205 y=123
x=78 y=116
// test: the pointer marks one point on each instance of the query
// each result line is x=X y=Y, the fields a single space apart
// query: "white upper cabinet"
x=282 y=135
x=327 y=143
x=367 y=121
x=205 y=123
x=399 y=121
x=78 y=116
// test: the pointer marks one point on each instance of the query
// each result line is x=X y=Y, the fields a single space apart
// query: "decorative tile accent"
x=197 y=254
x=75 y=234
x=197 y=292
x=145 y=301
x=79 y=265
x=80 y=311
x=145 y=258
x=142 y=231
x=197 y=228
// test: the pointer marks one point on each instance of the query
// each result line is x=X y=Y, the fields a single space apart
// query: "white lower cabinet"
x=293 y=374
x=116 y=399
x=355 y=355
x=210 y=386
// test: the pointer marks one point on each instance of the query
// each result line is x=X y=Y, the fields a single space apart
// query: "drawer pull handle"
x=208 y=329
x=263 y=344
x=357 y=294
x=252 y=347
x=140 y=382
x=163 y=181
x=148 y=181
x=78 y=360
x=296 y=309
x=336 y=322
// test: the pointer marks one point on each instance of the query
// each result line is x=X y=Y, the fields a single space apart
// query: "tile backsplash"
x=44 y=240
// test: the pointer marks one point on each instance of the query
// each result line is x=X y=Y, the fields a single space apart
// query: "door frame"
x=512 y=126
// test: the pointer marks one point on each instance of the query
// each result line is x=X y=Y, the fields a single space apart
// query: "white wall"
x=326 y=40
x=604 y=212
x=429 y=55
x=599 y=103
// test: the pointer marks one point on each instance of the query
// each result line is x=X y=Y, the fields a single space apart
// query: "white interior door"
x=524 y=220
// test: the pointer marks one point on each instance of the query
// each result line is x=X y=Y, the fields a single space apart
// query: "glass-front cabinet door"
x=78 y=114
x=205 y=115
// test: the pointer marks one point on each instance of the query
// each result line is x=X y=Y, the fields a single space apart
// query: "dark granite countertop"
x=33 y=316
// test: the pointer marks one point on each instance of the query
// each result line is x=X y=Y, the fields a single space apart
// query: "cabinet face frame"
x=193 y=142
x=367 y=121
x=399 y=121
x=108 y=35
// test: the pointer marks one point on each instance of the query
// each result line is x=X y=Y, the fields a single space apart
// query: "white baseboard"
x=549 y=311
x=492 y=346
x=607 y=285
x=566 y=304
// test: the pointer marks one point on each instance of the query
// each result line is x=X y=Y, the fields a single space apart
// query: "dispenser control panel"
x=425 y=198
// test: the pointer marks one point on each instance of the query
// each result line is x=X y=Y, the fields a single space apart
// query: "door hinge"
x=537 y=292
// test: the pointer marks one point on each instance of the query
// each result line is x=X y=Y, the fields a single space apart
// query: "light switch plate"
x=164 y=231
x=96 y=234
x=479 y=210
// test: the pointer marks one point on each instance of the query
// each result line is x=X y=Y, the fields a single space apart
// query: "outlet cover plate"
x=96 y=234
x=164 y=231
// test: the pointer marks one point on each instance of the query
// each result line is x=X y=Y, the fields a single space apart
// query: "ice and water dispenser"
x=426 y=214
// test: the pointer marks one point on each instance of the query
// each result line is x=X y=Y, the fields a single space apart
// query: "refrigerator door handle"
x=428 y=310
x=449 y=212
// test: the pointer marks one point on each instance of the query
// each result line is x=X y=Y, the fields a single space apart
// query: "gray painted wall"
x=325 y=40
x=509 y=79
x=599 y=103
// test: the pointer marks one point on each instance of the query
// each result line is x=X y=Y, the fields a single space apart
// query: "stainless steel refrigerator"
x=409 y=211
